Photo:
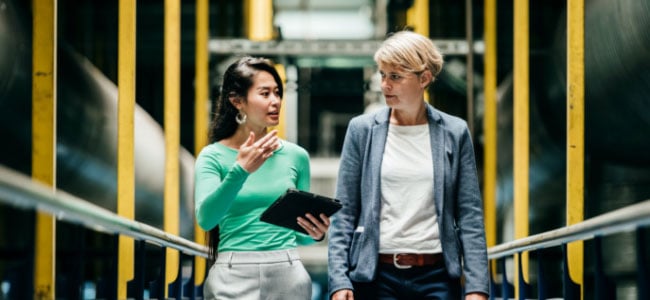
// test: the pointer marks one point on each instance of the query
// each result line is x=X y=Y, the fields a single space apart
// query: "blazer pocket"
x=355 y=248
x=450 y=154
x=459 y=244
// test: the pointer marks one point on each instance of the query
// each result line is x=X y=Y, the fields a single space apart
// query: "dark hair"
x=236 y=82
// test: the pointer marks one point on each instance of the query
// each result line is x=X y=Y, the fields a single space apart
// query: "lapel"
x=379 y=132
x=437 y=137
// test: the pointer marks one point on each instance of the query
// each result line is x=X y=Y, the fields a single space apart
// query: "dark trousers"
x=428 y=282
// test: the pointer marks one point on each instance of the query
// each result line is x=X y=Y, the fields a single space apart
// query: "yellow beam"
x=44 y=139
x=490 y=125
x=575 y=133
x=259 y=24
x=125 y=137
x=282 y=129
x=172 y=131
x=201 y=111
x=521 y=130
x=258 y=17
x=417 y=16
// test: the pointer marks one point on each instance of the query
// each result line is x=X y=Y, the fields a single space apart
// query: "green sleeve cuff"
x=238 y=171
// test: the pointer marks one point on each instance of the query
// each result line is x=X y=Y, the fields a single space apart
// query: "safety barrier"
x=630 y=218
x=20 y=191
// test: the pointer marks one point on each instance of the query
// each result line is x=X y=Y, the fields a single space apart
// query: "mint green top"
x=228 y=196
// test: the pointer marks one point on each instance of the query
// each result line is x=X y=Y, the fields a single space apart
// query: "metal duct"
x=617 y=81
x=86 y=129
x=617 y=147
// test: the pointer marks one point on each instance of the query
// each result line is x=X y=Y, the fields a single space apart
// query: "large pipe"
x=617 y=102
x=86 y=130
x=617 y=81
x=617 y=94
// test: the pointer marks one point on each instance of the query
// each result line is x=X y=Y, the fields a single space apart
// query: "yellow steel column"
x=44 y=139
x=417 y=16
x=125 y=136
x=490 y=125
x=201 y=110
x=172 y=131
x=258 y=17
x=521 y=131
x=282 y=126
x=575 y=133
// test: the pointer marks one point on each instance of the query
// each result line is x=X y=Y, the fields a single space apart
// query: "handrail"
x=20 y=191
x=624 y=219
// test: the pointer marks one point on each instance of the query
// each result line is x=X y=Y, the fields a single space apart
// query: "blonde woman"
x=412 y=221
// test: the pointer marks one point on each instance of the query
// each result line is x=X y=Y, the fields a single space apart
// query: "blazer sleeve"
x=470 y=220
x=343 y=222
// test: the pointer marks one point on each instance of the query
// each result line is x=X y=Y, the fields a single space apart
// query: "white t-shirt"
x=408 y=219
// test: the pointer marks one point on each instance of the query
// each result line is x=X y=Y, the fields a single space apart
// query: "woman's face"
x=402 y=89
x=263 y=102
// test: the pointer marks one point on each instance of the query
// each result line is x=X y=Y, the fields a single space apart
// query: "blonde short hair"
x=410 y=51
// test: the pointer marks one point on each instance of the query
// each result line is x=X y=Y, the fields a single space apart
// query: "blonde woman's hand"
x=343 y=295
x=315 y=228
x=252 y=154
x=476 y=296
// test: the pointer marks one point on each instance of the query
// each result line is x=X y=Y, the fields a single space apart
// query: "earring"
x=240 y=118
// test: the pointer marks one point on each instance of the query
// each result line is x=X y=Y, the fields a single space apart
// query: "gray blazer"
x=354 y=232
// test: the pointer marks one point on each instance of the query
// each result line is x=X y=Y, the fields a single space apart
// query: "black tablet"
x=295 y=203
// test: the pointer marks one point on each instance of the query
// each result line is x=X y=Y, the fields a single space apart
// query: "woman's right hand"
x=252 y=154
x=343 y=295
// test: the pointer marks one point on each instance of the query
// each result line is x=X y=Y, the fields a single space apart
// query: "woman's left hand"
x=476 y=296
x=315 y=228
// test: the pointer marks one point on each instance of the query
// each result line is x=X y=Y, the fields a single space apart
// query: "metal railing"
x=624 y=219
x=22 y=192
x=630 y=218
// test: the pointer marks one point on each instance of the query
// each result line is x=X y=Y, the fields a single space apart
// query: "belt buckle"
x=397 y=265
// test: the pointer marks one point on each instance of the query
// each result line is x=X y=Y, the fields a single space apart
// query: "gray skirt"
x=258 y=275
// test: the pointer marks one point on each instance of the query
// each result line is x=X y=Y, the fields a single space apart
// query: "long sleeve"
x=343 y=222
x=304 y=180
x=213 y=192
x=471 y=225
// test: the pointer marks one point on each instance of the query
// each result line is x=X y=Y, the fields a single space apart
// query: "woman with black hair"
x=243 y=170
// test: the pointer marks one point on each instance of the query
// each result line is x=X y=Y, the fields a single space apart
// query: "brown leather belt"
x=407 y=260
